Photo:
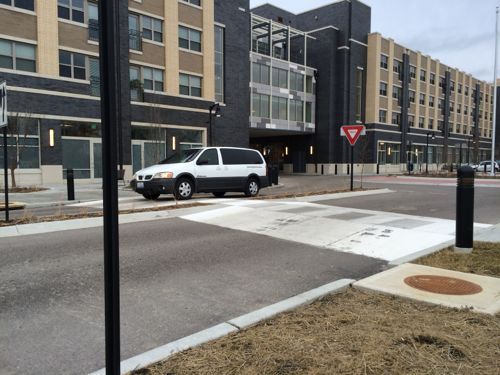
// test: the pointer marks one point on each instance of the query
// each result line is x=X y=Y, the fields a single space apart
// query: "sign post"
x=352 y=133
x=3 y=124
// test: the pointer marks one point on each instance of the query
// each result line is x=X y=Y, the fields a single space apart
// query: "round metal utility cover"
x=443 y=285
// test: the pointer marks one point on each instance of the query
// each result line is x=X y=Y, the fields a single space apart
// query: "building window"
x=309 y=85
x=460 y=88
x=190 y=85
x=441 y=104
x=152 y=79
x=71 y=10
x=411 y=95
x=152 y=29
x=93 y=20
x=280 y=108
x=440 y=125
x=466 y=92
x=431 y=101
x=280 y=78
x=358 y=95
x=396 y=92
x=423 y=75
x=452 y=106
x=23 y=4
x=383 y=61
x=396 y=118
x=422 y=99
x=411 y=121
x=260 y=73
x=459 y=108
x=309 y=112
x=134 y=35
x=466 y=110
x=432 y=78
x=296 y=110
x=194 y=2
x=442 y=82
x=431 y=123
x=95 y=77
x=382 y=116
x=397 y=67
x=383 y=89
x=22 y=142
x=219 y=63
x=452 y=85
x=413 y=71
x=388 y=153
x=260 y=105
x=17 y=56
x=421 y=122
x=189 y=39
x=72 y=65
x=296 y=81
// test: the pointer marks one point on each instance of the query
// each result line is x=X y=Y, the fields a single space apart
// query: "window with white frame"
x=411 y=96
x=423 y=75
x=422 y=99
x=382 y=116
x=384 y=61
x=383 y=89
x=280 y=108
x=421 y=122
x=190 y=85
x=219 y=32
x=72 y=65
x=411 y=121
x=71 y=10
x=17 y=56
x=189 y=39
x=194 y=2
x=152 y=29
x=23 y=4
x=413 y=71
x=152 y=79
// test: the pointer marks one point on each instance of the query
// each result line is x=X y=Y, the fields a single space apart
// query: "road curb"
x=231 y=326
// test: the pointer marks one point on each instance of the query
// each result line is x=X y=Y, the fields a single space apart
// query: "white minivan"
x=214 y=170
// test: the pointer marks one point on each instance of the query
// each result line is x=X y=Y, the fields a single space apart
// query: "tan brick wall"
x=48 y=38
x=18 y=24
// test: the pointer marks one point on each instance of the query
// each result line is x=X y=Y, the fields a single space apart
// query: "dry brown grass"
x=27 y=189
x=60 y=216
x=352 y=333
x=484 y=260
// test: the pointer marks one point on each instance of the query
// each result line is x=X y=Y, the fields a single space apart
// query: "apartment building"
x=308 y=78
x=414 y=100
x=178 y=58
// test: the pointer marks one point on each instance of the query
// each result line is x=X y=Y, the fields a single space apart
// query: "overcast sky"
x=460 y=33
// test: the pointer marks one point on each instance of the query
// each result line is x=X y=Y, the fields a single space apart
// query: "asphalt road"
x=422 y=200
x=177 y=278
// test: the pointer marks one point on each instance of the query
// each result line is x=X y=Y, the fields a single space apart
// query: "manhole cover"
x=443 y=285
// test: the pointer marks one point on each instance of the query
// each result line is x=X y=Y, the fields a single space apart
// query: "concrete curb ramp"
x=231 y=326
x=392 y=282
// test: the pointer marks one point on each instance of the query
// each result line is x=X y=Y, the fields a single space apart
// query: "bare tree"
x=362 y=145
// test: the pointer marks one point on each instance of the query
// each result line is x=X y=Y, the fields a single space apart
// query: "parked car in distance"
x=485 y=166
x=216 y=170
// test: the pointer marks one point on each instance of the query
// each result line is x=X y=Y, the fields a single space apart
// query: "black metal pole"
x=427 y=155
x=70 y=180
x=109 y=49
x=6 y=174
x=352 y=168
x=464 y=230
x=210 y=126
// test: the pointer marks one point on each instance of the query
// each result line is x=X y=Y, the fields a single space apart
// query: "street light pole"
x=216 y=107
x=427 y=150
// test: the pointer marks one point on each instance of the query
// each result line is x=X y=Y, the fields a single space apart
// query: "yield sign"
x=352 y=132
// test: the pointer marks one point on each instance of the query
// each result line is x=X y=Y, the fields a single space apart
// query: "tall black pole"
x=352 y=167
x=5 y=174
x=109 y=49
x=210 y=126
x=427 y=155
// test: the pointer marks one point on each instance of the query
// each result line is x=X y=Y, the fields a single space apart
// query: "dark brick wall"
x=232 y=129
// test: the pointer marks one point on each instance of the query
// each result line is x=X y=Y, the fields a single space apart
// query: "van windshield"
x=184 y=156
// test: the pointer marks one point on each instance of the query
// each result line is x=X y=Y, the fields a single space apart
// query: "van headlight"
x=164 y=175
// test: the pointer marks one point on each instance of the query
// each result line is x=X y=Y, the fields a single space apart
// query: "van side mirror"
x=202 y=162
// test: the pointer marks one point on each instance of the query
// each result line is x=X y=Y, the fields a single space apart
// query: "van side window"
x=239 y=157
x=209 y=156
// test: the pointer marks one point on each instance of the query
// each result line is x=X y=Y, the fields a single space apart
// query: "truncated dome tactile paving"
x=437 y=286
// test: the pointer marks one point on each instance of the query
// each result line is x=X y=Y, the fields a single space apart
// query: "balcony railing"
x=94 y=30
x=95 y=86
x=135 y=40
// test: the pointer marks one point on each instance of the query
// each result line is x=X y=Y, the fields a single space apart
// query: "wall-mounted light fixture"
x=286 y=151
x=174 y=143
x=311 y=150
x=389 y=150
x=52 y=140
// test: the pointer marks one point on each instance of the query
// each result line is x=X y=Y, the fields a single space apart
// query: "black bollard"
x=336 y=169
x=70 y=179
x=322 y=169
x=378 y=168
x=464 y=230
x=348 y=169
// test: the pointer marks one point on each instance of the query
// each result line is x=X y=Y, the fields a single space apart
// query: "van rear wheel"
x=183 y=189
x=252 y=188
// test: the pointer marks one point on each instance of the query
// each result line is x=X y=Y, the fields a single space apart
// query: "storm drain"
x=443 y=285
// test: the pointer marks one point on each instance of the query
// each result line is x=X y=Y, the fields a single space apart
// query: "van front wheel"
x=252 y=188
x=183 y=189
